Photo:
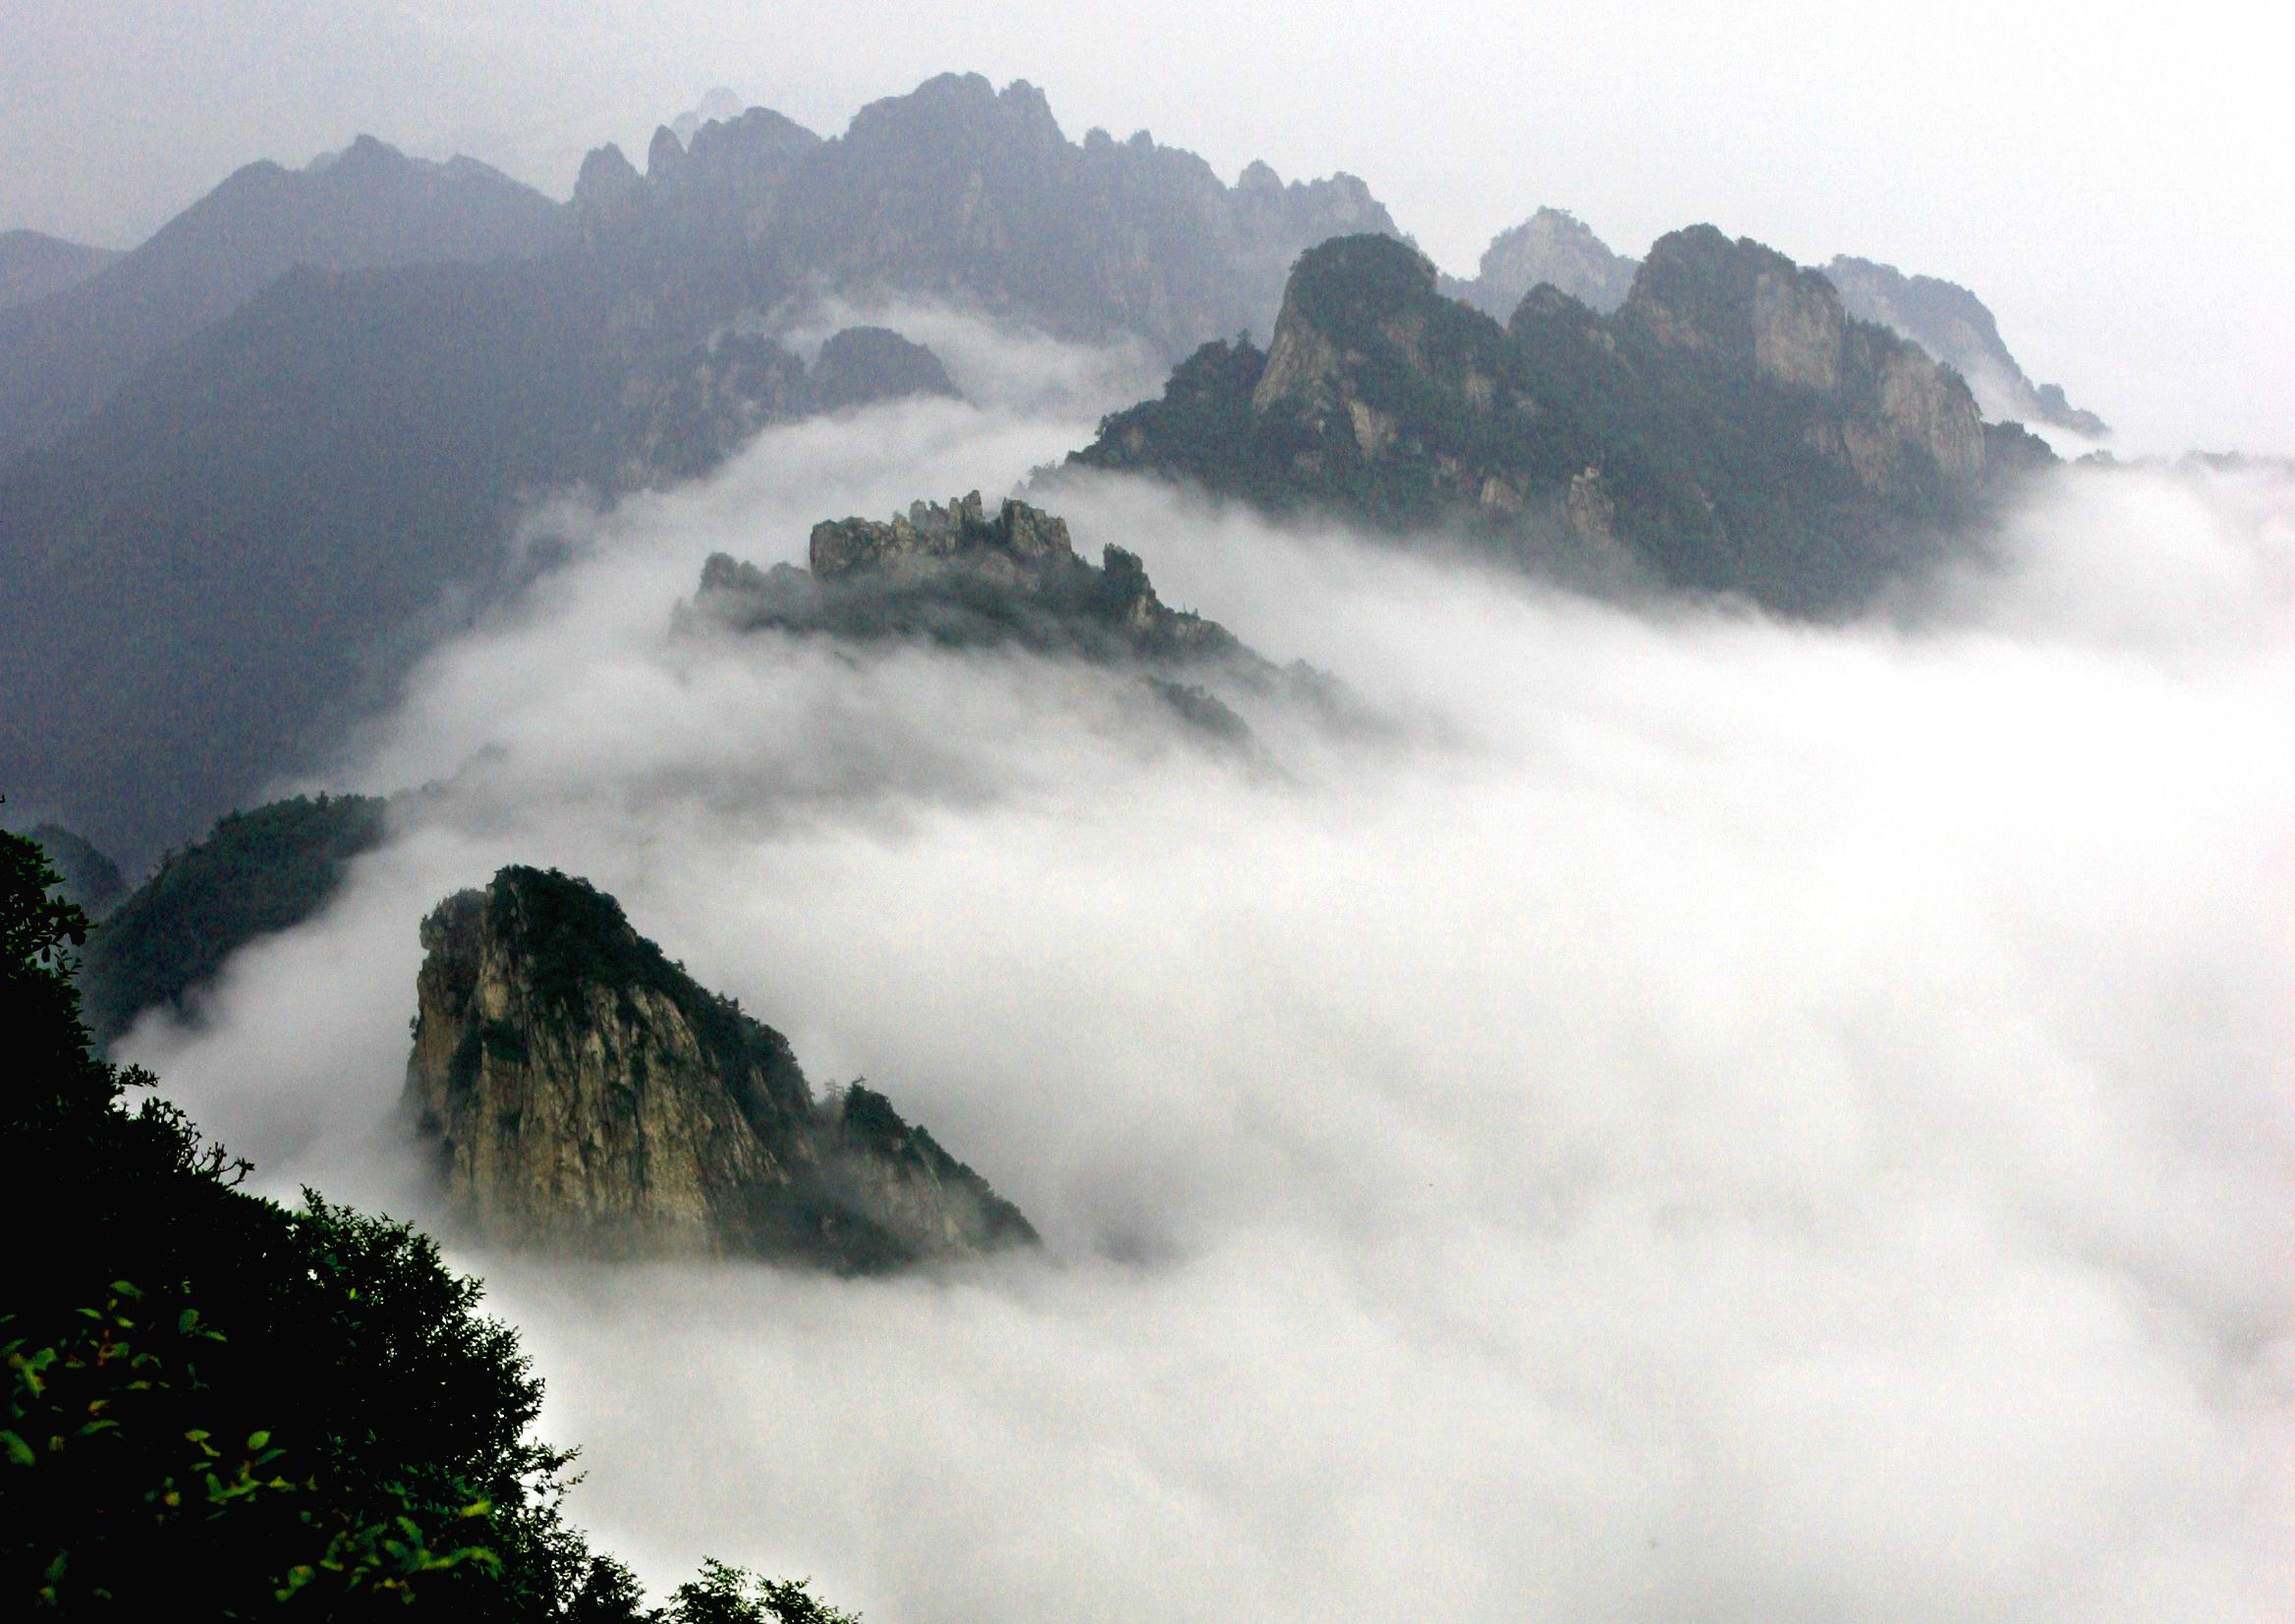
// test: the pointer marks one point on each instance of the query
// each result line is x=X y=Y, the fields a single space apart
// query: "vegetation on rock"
x=257 y=873
x=217 y=1407
x=1728 y=429
x=582 y=1090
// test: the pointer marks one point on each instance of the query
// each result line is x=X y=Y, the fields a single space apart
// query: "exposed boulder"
x=581 y=1092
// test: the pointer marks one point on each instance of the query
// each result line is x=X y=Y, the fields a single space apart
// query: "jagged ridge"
x=963 y=577
x=1729 y=430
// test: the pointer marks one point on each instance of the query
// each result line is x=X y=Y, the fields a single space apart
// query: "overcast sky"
x=2113 y=179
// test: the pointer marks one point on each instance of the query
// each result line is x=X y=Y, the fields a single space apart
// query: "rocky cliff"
x=1875 y=403
x=1954 y=326
x=581 y=1092
x=1555 y=248
x=958 y=575
x=1729 y=428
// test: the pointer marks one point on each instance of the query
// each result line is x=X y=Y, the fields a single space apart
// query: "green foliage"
x=578 y=943
x=257 y=871
x=727 y=1594
x=118 y=1499
x=220 y=1408
x=89 y=878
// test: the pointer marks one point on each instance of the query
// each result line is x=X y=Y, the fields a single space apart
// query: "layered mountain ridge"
x=33 y=264
x=370 y=205
x=245 y=538
x=974 y=196
x=1954 y=326
x=1552 y=246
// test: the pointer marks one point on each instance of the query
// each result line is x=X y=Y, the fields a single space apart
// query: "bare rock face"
x=1730 y=428
x=581 y=1092
x=1016 y=540
x=1886 y=411
x=1955 y=327
x=1797 y=330
x=1553 y=247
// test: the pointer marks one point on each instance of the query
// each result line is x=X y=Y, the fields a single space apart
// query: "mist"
x=1679 y=1115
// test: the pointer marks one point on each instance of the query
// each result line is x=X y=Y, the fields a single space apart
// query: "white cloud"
x=1711 y=1119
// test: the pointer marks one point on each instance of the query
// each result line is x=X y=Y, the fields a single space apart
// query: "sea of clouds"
x=1686 y=1117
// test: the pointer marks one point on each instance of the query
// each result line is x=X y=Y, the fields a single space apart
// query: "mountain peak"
x=665 y=155
x=606 y=178
x=1553 y=246
x=582 y=1090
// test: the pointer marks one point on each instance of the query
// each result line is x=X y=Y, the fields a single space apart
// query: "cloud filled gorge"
x=1710 y=1120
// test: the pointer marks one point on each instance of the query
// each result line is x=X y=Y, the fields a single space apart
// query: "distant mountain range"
x=1953 y=324
x=33 y=264
x=247 y=469
x=1553 y=247
x=1942 y=317
x=369 y=204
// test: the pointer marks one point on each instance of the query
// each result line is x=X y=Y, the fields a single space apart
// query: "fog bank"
x=1691 y=1117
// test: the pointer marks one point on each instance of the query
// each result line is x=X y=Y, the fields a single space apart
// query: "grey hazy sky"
x=2113 y=179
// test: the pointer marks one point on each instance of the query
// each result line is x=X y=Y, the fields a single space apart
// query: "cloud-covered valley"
x=1683 y=1116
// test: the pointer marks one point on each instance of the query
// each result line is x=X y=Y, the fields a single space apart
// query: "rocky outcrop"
x=1729 y=428
x=1953 y=326
x=580 y=1091
x=958 y=574
x=1882 y=408
x=1552 y=248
